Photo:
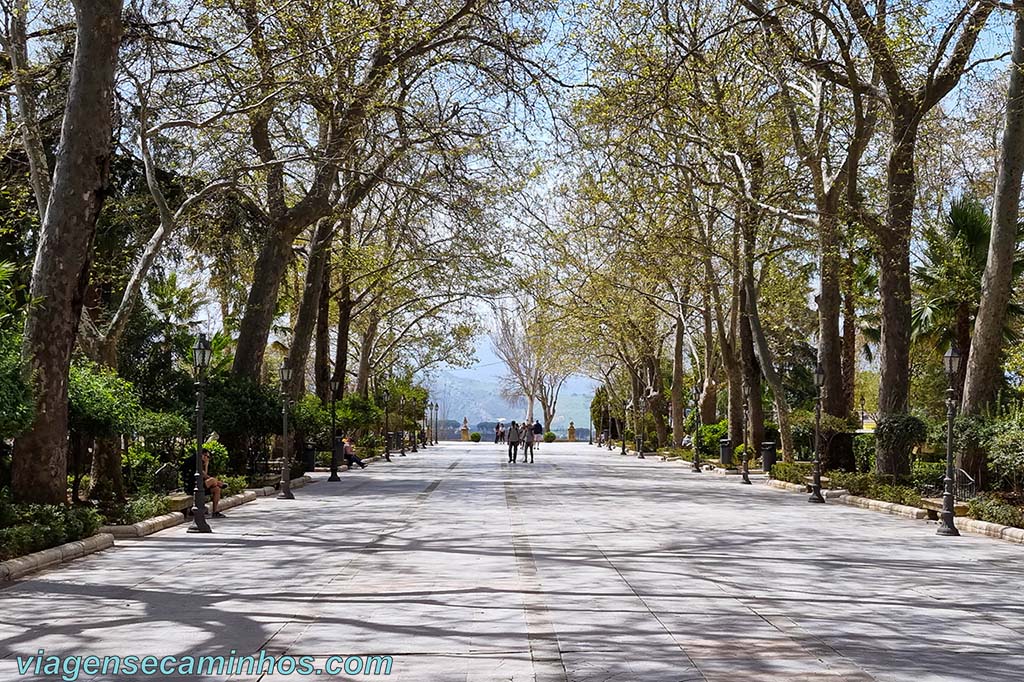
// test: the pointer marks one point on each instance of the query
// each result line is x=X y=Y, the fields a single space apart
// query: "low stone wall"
x=887 y=507
x=146 y=527
x=16 y=568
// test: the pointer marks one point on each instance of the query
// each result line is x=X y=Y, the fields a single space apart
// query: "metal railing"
x=964 y=487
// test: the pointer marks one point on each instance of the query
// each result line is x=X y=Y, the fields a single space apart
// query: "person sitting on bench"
x=212 y=485
x=349 y=452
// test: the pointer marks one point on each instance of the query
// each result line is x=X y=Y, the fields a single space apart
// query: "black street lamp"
x=387 y=436
x=401 y=423
x=335 y=384
x=746 y=430
x=608 y=420
x=951 y=361
x=625 y=406
x=819 y=381
x=437 y=423
x=201 y=355
x=286 y=460
x=425 y=432
x=415 y=426
x=696 y=435
x=639 y=428
x=863 y=412
x=590 y=432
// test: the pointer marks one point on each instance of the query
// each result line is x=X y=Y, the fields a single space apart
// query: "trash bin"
x=725 y=452
x=769 y=455
x=308 y=457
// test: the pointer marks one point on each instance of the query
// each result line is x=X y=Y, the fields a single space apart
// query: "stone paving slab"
x=584 y=566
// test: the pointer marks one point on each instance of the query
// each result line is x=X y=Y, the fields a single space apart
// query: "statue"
x=572 y=432
x=464 y=431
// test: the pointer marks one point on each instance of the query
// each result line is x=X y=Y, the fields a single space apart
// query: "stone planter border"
x=963 y=523
x=13 y=569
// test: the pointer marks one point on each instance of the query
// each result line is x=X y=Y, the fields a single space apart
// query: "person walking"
x=497 y=433
x=538 y=433
x=529 y=441
x=501 y=433
x=513 y=442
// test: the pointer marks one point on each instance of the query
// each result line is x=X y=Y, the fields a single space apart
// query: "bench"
x=179 y=502
x=933 y=505
x=809 y=481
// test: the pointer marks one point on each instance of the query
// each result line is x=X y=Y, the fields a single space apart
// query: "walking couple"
x=525 y=434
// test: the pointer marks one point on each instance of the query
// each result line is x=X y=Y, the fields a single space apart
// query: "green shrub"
x=793 y=472
x=897 y=494
x=139 y=466
x=235 y=485
x=162 y=426
x=710 y=435
x=239 y=406
x=550 y=437
x=1006 y=457
x=864 y=452
x=995 y=510
x=27 y=528
x=16 y=408
x=219 y=460
x=370 y=441
x=900 y=433
x=139 y=508
x=311 y=418
x=925 y=475
x=101 y=403
x=475 y=436
x=854 y=483
x=739 y=451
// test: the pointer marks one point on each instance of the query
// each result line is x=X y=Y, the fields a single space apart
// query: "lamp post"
x=415 y=426
x=625 y=406
x=696 y=435
x=638 y=428
x=863 y=412
x=426 y=424
x=608 y=421
x=433 y=421
x=951 y=361
x=401 y=423
x=746 y=430
x=590 y=432
x=286 y=460
x=819 y=381
x=335 y=384
x=387 y=436
x=201 y=354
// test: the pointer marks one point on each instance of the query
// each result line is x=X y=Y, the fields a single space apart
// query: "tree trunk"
x=261 y=304
x=322 y=343
x=849 y=342
x=298 y=353
x=106 y=482
x=829 y=345
x=60 y=273
x=678 y=396
x=983 y=364
x=344 y=326
x=752 y=382
x=366 y=356
x=894 y=290
x=709 y=389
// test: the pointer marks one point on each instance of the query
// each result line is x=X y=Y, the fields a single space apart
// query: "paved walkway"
x=584 y=566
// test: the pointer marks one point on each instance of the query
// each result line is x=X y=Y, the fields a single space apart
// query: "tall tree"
x=61 y=270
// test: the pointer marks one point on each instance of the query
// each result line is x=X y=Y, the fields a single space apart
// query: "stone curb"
x=887 y=507
x=145 y=527
x=963 y=523
x=13 y=569
x=785 y=485
x=992 y=530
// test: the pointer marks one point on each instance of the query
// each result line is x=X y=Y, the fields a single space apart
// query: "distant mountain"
x=473 y=393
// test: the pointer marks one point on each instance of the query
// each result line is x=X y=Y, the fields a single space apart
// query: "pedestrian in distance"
x=497 y=433
x=513 y=442
x=538 y=433
x=501 y=433
x=529 y=441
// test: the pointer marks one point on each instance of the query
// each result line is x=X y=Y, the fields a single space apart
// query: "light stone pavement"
x=584 y=566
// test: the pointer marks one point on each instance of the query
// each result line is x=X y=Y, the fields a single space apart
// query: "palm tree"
x=948 y=280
